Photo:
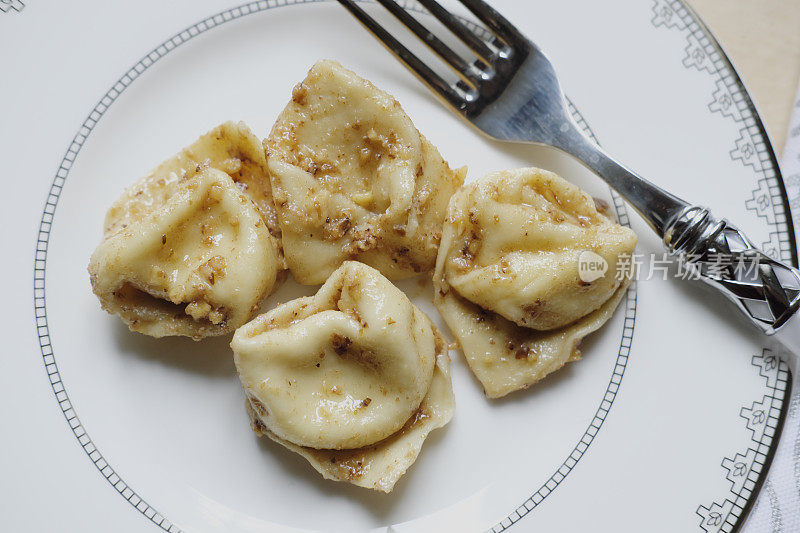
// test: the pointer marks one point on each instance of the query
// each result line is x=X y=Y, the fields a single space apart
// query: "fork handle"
x=656 y=205
x=713 y=251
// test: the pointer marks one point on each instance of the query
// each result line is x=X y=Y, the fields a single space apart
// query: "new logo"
x=591 y=266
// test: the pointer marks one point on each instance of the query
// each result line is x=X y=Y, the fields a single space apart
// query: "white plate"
x=665 y=425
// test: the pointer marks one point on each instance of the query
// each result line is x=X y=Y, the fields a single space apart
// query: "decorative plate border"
x=731 y=100
x=747 y=470
x=764 y=417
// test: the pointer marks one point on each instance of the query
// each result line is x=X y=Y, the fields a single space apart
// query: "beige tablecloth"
x=762 y=39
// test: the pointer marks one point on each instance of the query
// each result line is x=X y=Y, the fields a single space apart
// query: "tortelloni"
x=184 y=254
x=507 y=277
x=192 y=247
x=352 y=378
x=354 y=179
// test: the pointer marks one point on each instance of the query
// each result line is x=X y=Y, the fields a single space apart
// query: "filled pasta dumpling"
x=507 y=277
x=354 y=179
x=352 y=378
x=189 y=256
x=191 y=248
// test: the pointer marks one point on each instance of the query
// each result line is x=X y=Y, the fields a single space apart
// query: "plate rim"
x=782 y=368
x=141 y=66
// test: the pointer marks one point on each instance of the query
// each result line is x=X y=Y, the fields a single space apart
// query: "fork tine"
x=467 y=71
x=409 y=59
x=459 y=29
x=495 y=21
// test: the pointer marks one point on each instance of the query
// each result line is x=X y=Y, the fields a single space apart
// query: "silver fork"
x=511 y=93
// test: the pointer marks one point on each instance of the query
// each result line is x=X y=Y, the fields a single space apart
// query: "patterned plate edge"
x=765 y=417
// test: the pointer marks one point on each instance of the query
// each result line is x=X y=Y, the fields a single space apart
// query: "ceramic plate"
x=667 y=424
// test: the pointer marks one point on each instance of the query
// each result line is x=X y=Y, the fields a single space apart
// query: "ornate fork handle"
x=718 y=253
x=766 y=290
